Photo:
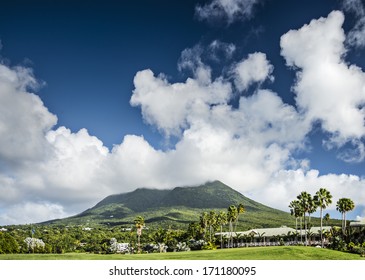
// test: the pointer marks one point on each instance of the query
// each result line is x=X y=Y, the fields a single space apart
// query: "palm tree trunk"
x=305 y=230
x=139 y=244
x=221 y=237
x=301 y=225
x=321 y=227
x=344 y=222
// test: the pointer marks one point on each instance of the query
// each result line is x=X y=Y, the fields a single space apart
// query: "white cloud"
x=230 y=10
x=23 y=117
x=255 y=69
x=327 y=89
x=285 y=185
x=31 y=212
x=170 y=106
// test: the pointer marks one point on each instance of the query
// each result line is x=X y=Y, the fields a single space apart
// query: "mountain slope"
x=177 y=206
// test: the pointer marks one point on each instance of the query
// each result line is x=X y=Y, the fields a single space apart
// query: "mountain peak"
x=180 y=205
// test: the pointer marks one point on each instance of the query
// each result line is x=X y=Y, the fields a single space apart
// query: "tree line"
x=306 y=204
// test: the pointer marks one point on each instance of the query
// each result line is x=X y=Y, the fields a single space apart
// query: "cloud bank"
x=250 y=145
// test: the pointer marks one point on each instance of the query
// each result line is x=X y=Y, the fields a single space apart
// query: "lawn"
x=262 y=253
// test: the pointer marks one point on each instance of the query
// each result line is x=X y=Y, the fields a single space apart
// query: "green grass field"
x=262 y=253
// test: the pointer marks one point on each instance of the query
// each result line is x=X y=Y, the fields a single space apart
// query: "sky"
x=103 y=97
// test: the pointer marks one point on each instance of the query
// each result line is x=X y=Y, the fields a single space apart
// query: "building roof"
x=360 y=223
x=269 y=232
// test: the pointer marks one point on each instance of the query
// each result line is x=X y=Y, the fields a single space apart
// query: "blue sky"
x=102 y=97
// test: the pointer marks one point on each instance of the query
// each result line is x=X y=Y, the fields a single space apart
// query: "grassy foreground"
x=262 y=253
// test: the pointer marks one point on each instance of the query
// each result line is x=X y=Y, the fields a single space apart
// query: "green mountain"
x=178 y=207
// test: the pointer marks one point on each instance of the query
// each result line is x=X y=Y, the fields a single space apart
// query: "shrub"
x=182 y=247
x=196 y=244
x=209 y=246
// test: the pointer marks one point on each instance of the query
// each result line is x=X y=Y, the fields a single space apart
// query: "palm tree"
x=311 y=209
x=212 y=222
x=322 y=199
x=221 y=221
x=139 y=223
x=306 y=205
x=204 y=222
x=344 y=205
x=240 y=210
x=232 y=216
x=295 y=210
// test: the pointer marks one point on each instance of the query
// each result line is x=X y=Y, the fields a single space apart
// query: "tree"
x=295 y=210
x=231 y=216
x=8 y=244
x=212 y=222
x=204 y=223
x=344 y=205
x=139 y=223
x=240 y=210
x=322 y=199
x=306 y=205
x=221 y=221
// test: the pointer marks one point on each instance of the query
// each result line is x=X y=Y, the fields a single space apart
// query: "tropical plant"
x=212 y=222
x=322 y=199
x=204 y=217
x=344 y=205
x=296 y=211
x=240 y=210
x=221 y=221
x=231 y=216
x=139 y=223
x=306 y=203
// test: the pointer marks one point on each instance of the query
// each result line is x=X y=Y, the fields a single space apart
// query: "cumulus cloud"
x=31 y=212
x=230 y=10
x=255 y=69
x=285 y=185
x=327 y=89
x=24 y=119
x=170 y=106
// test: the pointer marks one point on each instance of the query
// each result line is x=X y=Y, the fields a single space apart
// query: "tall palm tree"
x=204 y=222
x=344 y=205
x=240 y=210
x=231 y=216
x=306 y=204
x=222 y=220
x=139 y=223
x=322 y=199
x=311 y=209
x=295 y=211
x=212 y=222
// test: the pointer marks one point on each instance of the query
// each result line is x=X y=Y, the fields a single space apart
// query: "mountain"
x=177 y=207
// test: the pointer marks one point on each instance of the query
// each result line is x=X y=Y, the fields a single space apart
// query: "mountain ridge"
x=176 y=207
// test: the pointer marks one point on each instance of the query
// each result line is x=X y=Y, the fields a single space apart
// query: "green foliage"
x=8 y=244
x=209 y=246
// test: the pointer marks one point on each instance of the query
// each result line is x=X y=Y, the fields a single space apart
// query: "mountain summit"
x=179 y=205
